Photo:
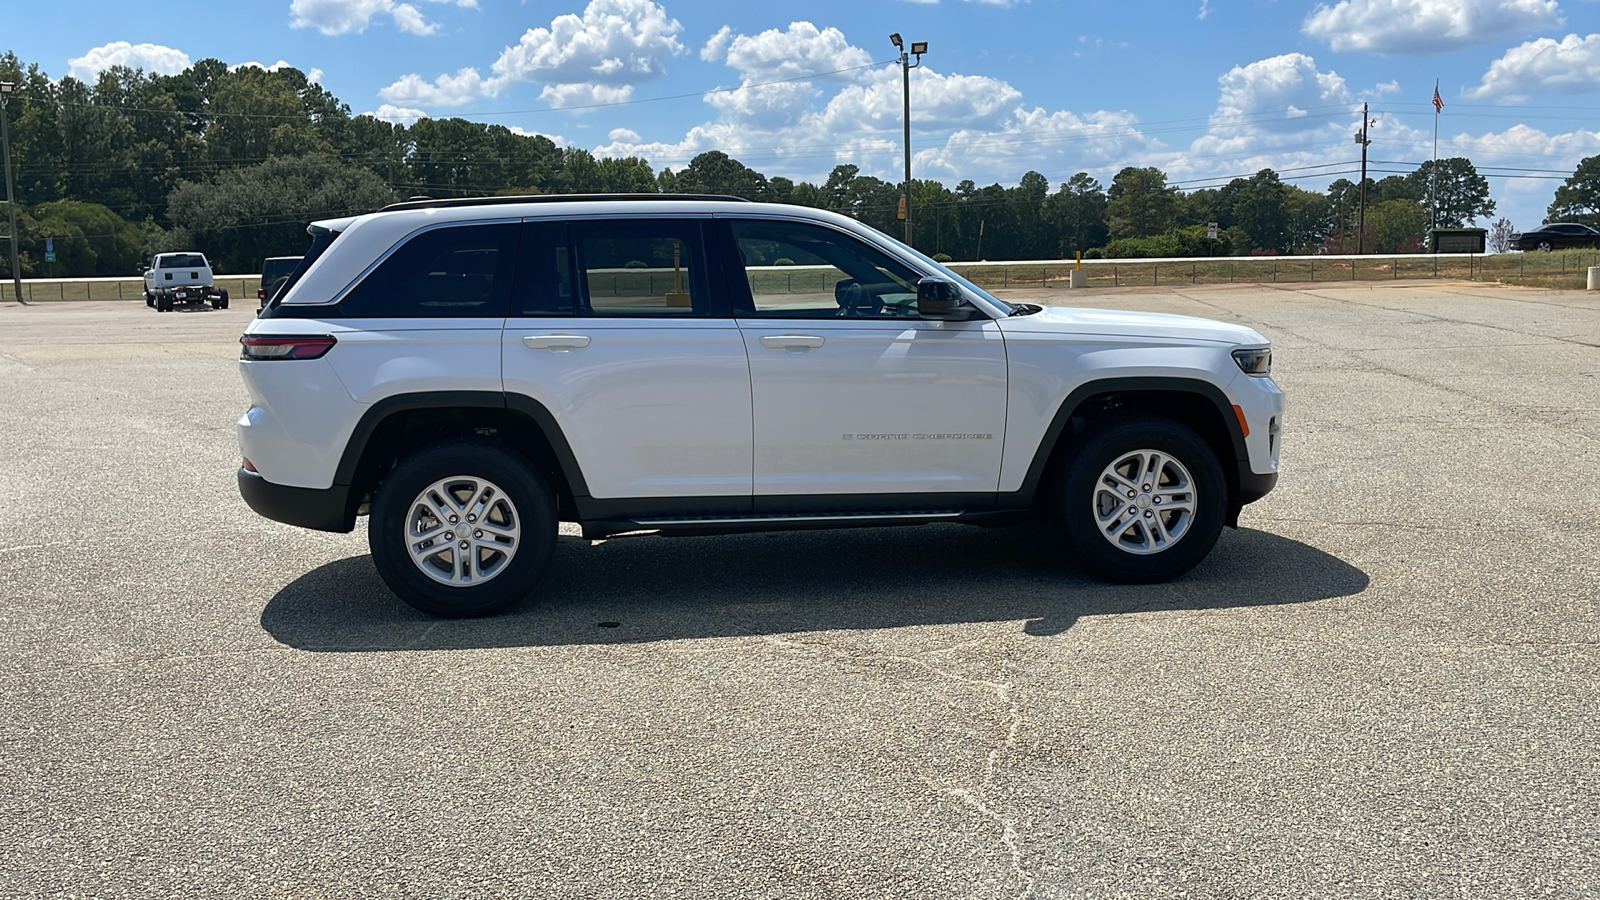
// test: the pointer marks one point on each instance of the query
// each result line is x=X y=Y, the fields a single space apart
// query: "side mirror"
x=940 y=298
x=143 y=268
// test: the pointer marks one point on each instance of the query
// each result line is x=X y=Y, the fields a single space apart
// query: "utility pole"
x=7 y=88
x=906 y=65
x=1361 y=138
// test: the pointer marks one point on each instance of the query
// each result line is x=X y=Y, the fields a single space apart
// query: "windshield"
x=1007 y=308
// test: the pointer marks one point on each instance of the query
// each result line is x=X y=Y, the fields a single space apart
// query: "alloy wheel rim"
x=462 y=531
x=1144 y=502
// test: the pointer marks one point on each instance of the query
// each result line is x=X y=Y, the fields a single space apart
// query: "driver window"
x=802 y=271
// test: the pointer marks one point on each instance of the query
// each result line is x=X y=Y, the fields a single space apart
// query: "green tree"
x=1140 y=203
x=1397 y=226
x=1076 y=215
x=715 y=172
x=1460 y=195
x=242 y=215
x=1578 y=198
x=90 y=240
x=1261 y=213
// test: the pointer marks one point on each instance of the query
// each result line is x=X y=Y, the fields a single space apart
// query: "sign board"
x=1458 y=240
x=1211 y=231
x=902 y=207
x=49 y=245
x=49 y=256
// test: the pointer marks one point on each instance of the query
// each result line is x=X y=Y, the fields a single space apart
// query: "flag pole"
x=1433 y=171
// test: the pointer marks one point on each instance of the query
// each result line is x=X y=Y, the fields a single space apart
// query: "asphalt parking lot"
x=1384 y=684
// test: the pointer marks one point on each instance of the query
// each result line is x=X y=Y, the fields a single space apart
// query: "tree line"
x=235 y=162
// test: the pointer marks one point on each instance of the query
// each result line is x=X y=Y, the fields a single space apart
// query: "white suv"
x=470 y=373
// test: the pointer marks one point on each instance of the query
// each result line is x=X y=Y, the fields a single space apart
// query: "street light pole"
x=906 y=65
x=6 y=90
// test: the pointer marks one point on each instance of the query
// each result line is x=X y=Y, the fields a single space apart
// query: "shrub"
x=783 y=261
x=1094 y=253
x=636 y=264
x=943 y=258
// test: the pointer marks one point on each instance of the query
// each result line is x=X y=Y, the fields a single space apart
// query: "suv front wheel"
x=462 y=529
x=1143 y=500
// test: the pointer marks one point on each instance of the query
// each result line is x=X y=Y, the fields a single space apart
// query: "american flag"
x=1438 y=102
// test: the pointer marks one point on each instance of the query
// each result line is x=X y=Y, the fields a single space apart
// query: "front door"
x=853 y=393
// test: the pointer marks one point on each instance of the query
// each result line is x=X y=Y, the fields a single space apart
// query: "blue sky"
x=1203 y=89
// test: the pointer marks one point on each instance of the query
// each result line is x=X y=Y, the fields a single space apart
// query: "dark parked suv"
x=1556 y=236
x=275 y=270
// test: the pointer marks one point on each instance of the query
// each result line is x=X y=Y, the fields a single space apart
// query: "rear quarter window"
x=458 y=271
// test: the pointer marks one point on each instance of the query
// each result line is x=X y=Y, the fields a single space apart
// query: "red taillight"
x=262 y=347
x=261 y=293
x=250 y=466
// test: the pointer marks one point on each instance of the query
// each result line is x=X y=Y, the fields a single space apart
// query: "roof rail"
x=428 y=203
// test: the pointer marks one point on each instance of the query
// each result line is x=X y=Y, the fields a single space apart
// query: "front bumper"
x=328 y=509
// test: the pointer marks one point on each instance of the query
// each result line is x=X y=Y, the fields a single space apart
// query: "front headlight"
x=1254 y=361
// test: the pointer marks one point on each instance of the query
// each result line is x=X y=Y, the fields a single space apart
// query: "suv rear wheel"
x=1143 y=500
x=462 y=529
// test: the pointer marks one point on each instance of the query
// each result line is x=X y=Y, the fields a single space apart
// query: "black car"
x=1556 y=236
x=275 y=270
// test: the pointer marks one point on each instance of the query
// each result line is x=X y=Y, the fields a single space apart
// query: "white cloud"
x=717 y=46
x=344 y=16
x=152 y=58
x=314 y=76
x=556 y=139
x=579 y=96
x=1426 y=27
x=594 y=59
x=801 y=50
x=614 y=43
x=1568 y=66
x=624 y=134
x=446 y=90
x=396 y=114
x=1275 y=95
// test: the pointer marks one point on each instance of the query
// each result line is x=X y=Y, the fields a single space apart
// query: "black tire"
x=1545 y=247
x=391 y=519
x=1135 y=555
x=149 y=300
x=224 y=301
x=163 y=302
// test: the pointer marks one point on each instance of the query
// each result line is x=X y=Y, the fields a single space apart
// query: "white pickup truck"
x=174 y=278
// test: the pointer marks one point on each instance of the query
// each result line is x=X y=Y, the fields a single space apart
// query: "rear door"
x=623 y=336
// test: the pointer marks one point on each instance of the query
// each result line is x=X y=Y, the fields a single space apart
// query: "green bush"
x=1094 y=253
x=783 y=261
x=636 y=264
x=943 y=258
x=1179 y=242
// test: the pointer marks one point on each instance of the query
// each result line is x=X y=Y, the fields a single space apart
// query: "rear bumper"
x=328 y=509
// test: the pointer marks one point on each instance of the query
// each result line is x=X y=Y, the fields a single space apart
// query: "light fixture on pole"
x=7 y=88
x=906 y=65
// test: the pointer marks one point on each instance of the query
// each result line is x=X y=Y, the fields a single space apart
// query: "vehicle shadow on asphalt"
x=653 y=589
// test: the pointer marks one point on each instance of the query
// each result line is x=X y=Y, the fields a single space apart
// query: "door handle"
x=555 y=341
x=790 y=341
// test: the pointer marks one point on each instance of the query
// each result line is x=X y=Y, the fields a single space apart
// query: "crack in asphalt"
x=976 y=800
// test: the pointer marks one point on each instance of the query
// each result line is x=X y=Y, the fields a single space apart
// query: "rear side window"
x=459 y=271
x=181 y=261
x=640 y=268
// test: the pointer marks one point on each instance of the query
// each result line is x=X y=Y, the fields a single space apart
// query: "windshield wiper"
x=1025 y=309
